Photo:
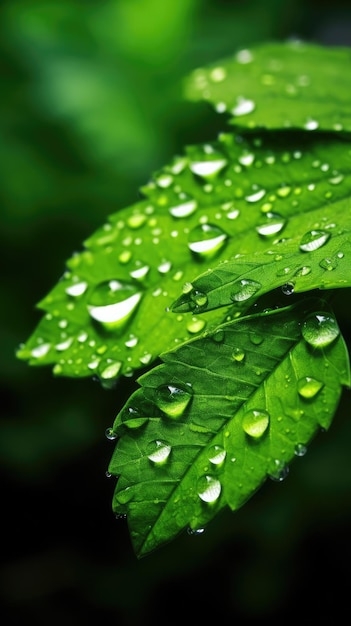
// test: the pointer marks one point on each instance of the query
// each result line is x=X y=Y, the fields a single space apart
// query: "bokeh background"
x=90 y=106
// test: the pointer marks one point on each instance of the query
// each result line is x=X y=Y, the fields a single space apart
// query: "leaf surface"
x=222 y=413
x=107 y=315
x=319 y=259
x=279 y=85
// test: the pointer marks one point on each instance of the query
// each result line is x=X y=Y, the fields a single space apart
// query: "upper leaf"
x=107 y=315
x=280 y=85
x=222 y=413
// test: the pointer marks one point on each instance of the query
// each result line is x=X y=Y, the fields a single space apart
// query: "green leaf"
x=318 y=259
x=279 y=85
x=223 y=412
x=205 y=207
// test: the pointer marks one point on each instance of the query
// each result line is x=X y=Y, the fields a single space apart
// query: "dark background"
x=90 y=106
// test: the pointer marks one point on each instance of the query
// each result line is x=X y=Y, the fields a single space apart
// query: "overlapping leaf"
x=319 y=259
x=280 y=85
x=107 y=315
x=221 y=414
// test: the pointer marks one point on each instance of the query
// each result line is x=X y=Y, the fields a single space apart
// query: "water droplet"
x=272 y=226
x=218 y=335
x=256 y=196
x=206 y=240
x=159 y=452
x=284 y=191
x=113 y=303
x=329 y=263
x=288 y=289
x=216 y=455
x=244 y=289
x=311 y=124
x=218 y=74
x=300 y=449
x=308 y=387
x=195 y=531
x=111 y=370
x=137 y=220
x=173 y=399
x=243 y=106
x=320 y=330
x=280 y=471
x=208 y=488
x=313 y=240
x=303 y=271
x=244 y=56
x=110 y=434
x=41 y=350
x=247 y=159
x=77 y=289
x=195 y=325
x=140 y=272
x=208 y=168
x=255 y=422
x=184 y=209
x=238 y=355
x=133 y=418
x=198 y=300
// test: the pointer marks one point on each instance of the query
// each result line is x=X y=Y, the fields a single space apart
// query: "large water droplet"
x=243 y=106
x=208 y=488
x=313 y=240
x=320 y=329
x=280 y=471
x=272 y=226
x=308 y=387
x=111 y=370
x=216 y=455
x=173 y=399
x=113 y=303
x=206 y=240
x=209 y=165
x=244 y=289
x=77 y=289
x=255 y=422
x=238 y=355
x=183 y=209
x=159 y=452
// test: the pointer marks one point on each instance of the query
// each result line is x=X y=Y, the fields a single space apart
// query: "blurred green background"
x=91 y=105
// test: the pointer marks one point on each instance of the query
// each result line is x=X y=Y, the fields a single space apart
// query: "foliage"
x=205 y=274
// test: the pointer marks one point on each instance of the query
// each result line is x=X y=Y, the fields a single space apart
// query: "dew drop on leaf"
x=210 y=167
x=113 y=302
x=183 y=209
x=274 y=225
x=313 y=240
x=244 y=289
x=280 y=471
x=158 y=452
x=329 y=263
x=173 y=399
x=303 y=271
x=238 y=355
x=300 y=449
x=243 y=106
x=255 y=422
x=77 y=289
x=216 y=455
x=288 y=289
x=320 y=330
x=198 y=300
x=309 y=387
x=110 y=434
x=111 y=370
x=41 y=350
x=206 y=240
x=256 y=196
x=133 y=418
x=208 y=488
